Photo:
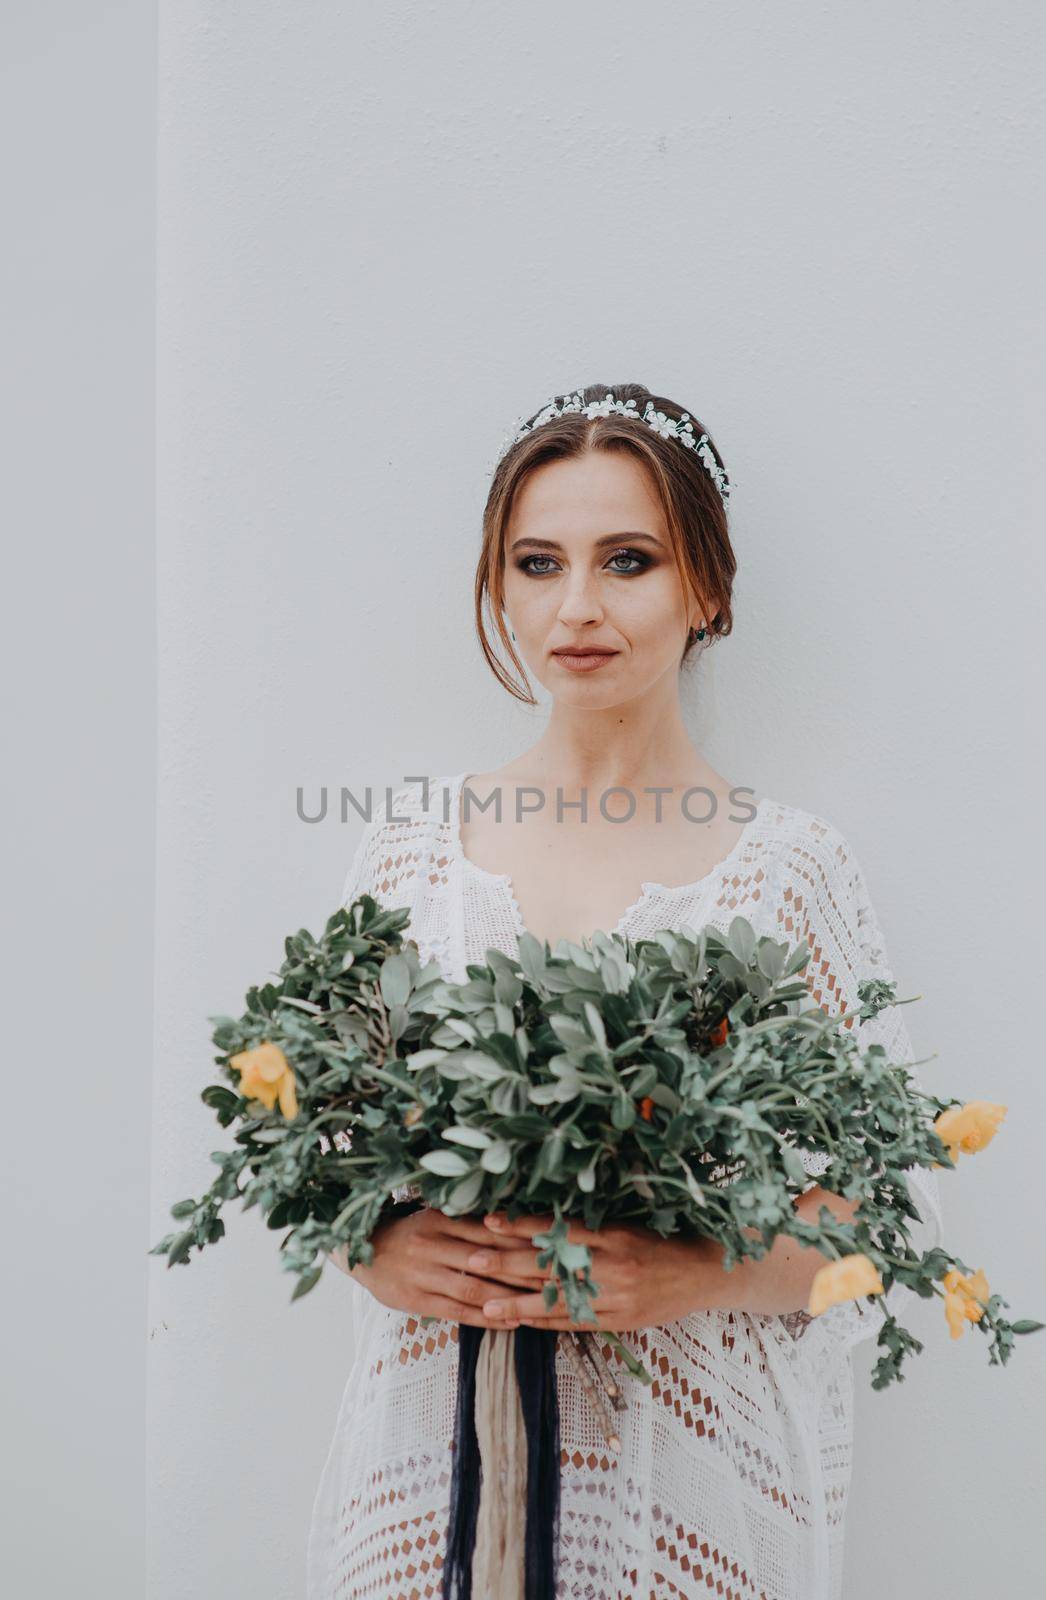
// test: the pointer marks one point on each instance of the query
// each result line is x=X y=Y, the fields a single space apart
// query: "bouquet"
x=673 y=1081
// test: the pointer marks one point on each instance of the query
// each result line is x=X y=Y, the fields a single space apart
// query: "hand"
x=421 y=1265
x=644 y=1280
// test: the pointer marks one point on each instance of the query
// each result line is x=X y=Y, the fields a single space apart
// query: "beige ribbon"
x=498 y=1558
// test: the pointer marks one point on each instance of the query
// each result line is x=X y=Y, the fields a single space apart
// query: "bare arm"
x=781 y=1281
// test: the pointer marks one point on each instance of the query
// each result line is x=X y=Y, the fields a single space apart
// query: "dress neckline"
x=649 y=886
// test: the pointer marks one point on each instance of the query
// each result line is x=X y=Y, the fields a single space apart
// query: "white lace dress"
x=735 y=1466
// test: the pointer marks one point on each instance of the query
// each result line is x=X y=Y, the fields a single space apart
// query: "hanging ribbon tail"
x=539 y=1402
x=465 y=1474
x=503 y=1528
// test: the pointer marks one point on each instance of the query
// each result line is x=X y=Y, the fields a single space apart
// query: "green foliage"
x=596 y=1083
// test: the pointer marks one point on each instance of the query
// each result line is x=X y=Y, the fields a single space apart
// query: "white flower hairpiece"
x=681 y=428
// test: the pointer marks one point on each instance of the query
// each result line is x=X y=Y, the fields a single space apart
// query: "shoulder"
x=401 y=823
x=415 y=802
x=811 y=850
x=820 y=897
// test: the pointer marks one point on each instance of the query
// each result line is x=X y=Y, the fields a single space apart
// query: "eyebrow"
x=606 y=539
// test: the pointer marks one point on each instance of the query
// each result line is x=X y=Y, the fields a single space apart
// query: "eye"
x=639 y=561
x=525 y=566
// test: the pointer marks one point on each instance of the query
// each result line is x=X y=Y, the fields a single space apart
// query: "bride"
x=607 y=569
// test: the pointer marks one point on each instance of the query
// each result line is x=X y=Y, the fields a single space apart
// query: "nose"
x=580 y=604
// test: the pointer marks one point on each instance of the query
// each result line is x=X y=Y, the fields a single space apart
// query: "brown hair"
x=694 y=511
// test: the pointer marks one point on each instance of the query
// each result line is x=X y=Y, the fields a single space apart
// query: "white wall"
x=77 y=124
x=384 y=231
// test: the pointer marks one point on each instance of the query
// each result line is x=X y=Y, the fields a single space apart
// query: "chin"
x=590 y=695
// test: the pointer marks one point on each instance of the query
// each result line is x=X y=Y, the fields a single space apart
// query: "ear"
x=697 y=611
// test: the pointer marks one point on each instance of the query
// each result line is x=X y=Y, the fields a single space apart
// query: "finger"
x=606 y=1324
x=466 y=1228
x=463 y=1287
x=556 y=1324
x=513 y=1280
x=527 y=1227
x=437 y=1305
x=525 y=1306
x=518 y=1306
x=500 y=1223
x=492 y=1264
x=504 y=1262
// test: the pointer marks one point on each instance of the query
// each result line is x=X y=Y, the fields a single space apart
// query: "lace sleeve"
x=388 y=857
x=362 y=873
x=827 y=904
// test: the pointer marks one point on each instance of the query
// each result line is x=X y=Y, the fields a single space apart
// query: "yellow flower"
x=968 y=1128
x=960 y=1299
x=844 y=1279
x=265 y=1075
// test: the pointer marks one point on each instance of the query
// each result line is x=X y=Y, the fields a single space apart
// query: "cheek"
x=531 y=607
x=650 y=613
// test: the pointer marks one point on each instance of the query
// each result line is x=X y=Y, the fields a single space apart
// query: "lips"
x=586 y=658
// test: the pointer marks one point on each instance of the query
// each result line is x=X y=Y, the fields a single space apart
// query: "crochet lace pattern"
x=735 y=1466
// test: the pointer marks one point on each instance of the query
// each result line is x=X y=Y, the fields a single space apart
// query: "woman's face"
x=588 y=563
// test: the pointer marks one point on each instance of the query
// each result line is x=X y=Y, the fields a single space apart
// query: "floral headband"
x=668 y=427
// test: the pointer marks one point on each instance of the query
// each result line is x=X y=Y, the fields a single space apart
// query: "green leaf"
x=595 y=1022
x=793 y=1165
x=586 y=1178
x=622 y=1112
x=445 y=1163
x=395 y=980
x=307 y=1281
x=551 y=1157
x=741 y=939
x=532 y=958
x=476 y=1137
x=644 y=1080
x=464 y=1195
x=477 y=1065
x=219 y=1098
x=179 y=1250
x=497 y=1158
x=693 y=1187
x=798 y=959
x=570 y=1032
x=421 y=1060
x=771 y=958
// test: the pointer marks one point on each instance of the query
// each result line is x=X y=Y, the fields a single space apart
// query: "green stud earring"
x=700 y=633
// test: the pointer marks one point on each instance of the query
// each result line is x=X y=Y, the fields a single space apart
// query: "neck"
x=635 y=746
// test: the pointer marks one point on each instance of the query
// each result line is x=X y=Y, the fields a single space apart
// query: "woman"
x=606 y=549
